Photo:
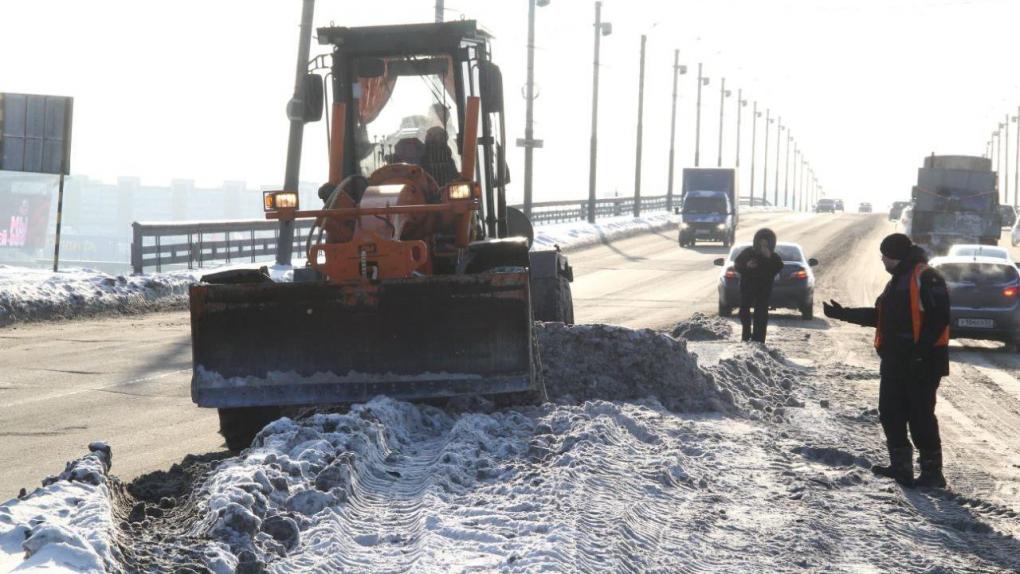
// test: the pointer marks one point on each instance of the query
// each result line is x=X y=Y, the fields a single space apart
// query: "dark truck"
x=956 y=200
x=710 y=208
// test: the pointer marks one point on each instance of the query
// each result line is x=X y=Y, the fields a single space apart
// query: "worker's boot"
x=901 y=466
x=931 y=470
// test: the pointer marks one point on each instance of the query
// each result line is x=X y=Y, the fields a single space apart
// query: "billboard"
x=35 y=133
x=23 y=221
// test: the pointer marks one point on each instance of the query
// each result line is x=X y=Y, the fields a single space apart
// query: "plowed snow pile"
x=701 y=327
x=619 y=477
x=37 y=294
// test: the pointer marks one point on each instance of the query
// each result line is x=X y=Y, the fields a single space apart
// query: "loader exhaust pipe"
x=285 y=242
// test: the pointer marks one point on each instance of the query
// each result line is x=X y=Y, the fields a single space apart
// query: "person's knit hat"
x=896 y=246
x=766 y=234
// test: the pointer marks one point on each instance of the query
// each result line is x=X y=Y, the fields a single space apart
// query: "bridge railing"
x=197 y=243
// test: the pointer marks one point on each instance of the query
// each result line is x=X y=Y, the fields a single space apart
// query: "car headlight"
x=721 y=226
x=683 y=225
x=460 y=191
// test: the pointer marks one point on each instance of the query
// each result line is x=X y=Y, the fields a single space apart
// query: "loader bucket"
x=315 y=343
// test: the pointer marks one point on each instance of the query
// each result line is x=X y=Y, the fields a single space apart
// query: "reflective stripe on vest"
x=916 y=311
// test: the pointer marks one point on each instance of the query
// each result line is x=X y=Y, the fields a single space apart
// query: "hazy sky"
x=197 y=88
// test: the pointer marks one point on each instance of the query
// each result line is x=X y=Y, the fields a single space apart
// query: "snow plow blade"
x=278 y=344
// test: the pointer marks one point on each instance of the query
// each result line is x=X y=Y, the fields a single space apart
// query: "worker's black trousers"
x=908 y=402
x=760 y=324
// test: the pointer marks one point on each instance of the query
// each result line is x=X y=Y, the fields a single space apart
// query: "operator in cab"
x=911 y=320
x=758 y=266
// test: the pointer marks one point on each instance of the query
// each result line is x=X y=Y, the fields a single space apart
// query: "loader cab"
x=400 y=95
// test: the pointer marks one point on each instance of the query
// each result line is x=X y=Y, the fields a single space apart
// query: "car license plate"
x=702 y=232
x=980 y=323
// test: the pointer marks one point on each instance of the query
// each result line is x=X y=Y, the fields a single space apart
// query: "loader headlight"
x=273 y=200
x=460 y=191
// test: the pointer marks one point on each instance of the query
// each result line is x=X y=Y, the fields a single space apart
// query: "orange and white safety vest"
x=916 y=311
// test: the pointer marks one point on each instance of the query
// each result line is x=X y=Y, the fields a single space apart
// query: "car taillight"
x=1009 y=291
x=731 y=274
x=799 y=274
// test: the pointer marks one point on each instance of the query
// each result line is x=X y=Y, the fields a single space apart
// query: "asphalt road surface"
x=126 y=380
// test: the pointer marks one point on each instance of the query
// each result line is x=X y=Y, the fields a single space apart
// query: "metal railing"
x=155 y=244
x=196 y=243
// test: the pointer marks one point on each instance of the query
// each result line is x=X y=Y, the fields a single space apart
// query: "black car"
x=983 y=297
x=794 y=287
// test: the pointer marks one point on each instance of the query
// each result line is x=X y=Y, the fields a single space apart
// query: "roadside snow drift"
x=37 y=294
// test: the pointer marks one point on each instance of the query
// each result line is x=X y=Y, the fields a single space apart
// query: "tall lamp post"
x=678 y=70
x=741 y=102
x=529 y=142
x=1005 y=155
x=702 y=81
x=1016 y=174
x=765 y=161
x=793 y=195
x=779 y=132
x=640 y=130
x=601 y=29
x=786 y=170
x=755 y=114
x=723 y=94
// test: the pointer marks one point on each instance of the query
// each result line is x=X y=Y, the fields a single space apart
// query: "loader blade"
x=316 y=343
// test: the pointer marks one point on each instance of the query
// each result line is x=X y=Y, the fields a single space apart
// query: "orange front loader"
x=417 y=283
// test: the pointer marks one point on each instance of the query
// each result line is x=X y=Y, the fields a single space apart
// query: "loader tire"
x=240 y=425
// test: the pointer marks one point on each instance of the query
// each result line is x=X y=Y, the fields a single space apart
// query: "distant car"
x=975 y=250
x=794 y=287
x=825 y=206
x=983 y=298
x=864 y=208
x=896 y=210
x=1008 y=214
x=839 y=204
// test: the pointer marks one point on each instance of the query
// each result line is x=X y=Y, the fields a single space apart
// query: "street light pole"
x=786 y=170
x=765 y=162
x=640 y=130
x=793 y=186
x=723 y=94
x=672 y=132
x=529 y=114
x=600 y=30
x=741 y=102
x=702 y=81
x=754 y=137
x=439 y=11
x=1016 y=174
x=779 y=133
x=1005 y=170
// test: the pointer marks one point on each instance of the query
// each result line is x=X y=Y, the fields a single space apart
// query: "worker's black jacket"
x=760 y=278
x=897 y=325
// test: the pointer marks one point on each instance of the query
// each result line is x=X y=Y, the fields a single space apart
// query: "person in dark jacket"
x=757 y=266
x=438 y=158
x=911 y=320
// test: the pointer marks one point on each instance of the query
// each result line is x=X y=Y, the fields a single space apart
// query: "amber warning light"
x=274 y=200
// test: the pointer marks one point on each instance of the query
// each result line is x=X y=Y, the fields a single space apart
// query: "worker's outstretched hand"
x=834 y=310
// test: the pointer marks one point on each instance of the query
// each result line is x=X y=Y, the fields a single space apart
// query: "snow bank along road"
x=749 y=462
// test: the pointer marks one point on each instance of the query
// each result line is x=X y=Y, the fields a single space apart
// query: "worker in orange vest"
x=911 y=320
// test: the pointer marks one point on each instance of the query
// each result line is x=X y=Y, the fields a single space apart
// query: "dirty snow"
x=643 y=461
x=702 y=327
